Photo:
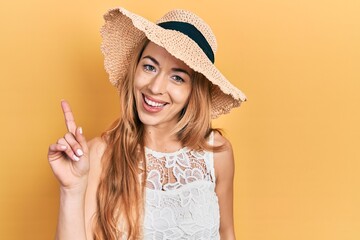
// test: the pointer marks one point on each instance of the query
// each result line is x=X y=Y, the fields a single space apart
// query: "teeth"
x=154 y=104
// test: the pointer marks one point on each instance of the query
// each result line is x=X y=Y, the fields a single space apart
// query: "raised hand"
x=69 y=156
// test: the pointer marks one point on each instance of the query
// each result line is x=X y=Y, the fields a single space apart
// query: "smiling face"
x=162 y=86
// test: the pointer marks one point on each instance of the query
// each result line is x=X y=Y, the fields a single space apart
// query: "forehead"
x=162 y=55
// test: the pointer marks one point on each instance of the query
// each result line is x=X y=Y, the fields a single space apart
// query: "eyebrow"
x=173 y=69
x=152 y=59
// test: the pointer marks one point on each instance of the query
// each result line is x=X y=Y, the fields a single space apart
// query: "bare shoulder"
x=220 y=140
x=223 y=159
x=97 y=148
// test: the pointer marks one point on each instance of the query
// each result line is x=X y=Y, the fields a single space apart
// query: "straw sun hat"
x=183 y=34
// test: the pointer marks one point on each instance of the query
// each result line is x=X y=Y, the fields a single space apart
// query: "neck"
x=161 y=139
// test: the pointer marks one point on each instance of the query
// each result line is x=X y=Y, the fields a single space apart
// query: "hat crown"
x=180 y=15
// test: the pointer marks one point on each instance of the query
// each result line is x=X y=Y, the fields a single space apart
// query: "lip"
x=152 y=109
x=153 y=99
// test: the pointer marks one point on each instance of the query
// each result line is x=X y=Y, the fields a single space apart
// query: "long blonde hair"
x=120 y=194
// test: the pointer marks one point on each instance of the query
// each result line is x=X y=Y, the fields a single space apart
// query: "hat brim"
x=124 y=30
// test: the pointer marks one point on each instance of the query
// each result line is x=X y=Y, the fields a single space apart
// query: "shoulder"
x=97 y=144
x=224 y=158
x=97 y=148
x=220 y=140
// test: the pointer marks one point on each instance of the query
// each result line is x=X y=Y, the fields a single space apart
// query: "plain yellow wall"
x=296 y=140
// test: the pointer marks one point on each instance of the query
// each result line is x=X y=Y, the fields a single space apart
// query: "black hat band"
x=192 y=32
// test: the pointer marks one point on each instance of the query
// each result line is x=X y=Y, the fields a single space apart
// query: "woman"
x=161 y=171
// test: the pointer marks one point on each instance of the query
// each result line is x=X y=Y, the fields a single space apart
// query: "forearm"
x=226 y=219
x=71 y=222
x=227 y=234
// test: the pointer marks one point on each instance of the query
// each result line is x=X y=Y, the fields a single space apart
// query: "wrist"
x=78 y=189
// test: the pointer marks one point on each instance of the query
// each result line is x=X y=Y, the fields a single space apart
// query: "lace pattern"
x=169 y=171
x=180 y=196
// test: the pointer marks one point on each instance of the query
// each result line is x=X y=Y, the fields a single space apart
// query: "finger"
x=55 y=151
x=74 y=145
x=56 y=147
x=81 y=139
x=69 y=117
x=68 y=151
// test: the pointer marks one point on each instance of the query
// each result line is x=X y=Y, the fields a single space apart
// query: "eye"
x=178 y=79
x=148 y=68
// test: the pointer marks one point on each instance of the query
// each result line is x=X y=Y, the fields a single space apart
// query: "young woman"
x=161 y=171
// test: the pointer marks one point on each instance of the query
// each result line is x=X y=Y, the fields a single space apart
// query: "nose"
x=158 y=84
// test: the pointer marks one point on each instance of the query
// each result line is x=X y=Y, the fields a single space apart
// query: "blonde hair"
x=120 y=194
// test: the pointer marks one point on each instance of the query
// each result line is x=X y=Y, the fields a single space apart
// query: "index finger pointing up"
x=69 y=118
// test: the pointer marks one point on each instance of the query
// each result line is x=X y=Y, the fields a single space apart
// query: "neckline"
x=157 y=153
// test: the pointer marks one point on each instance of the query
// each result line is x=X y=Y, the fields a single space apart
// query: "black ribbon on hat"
x=192 y=32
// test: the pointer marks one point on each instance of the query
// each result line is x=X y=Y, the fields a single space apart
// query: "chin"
x=148 y=120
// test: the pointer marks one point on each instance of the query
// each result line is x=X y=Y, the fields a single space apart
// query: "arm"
x=71 y=214
x=69 y=159
x=78 y=207
x=224 y=171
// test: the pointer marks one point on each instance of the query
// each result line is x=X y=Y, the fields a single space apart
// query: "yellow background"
x=296 y=140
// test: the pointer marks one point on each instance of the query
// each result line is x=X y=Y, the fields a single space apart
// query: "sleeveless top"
x=180 y=201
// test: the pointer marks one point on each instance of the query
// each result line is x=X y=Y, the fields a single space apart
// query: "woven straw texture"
x=123 y=31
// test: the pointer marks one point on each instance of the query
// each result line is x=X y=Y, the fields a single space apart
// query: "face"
x=162 y=86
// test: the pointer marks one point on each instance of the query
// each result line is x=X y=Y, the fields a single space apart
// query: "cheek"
x=138 y=85
x=182 y=95
x=138 y=80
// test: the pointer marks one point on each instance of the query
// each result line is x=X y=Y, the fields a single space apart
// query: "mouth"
x=153 y=103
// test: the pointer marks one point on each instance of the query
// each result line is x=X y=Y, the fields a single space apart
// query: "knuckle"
x=68 y=136
x=70 y=153
x=75 y=147
x=61 y=141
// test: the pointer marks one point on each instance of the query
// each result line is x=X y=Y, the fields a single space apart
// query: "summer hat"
x=183 y=34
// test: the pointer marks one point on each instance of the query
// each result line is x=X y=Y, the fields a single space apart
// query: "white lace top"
x=180 y=196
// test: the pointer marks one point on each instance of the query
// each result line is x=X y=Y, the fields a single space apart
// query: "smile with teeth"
x=152 y=103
